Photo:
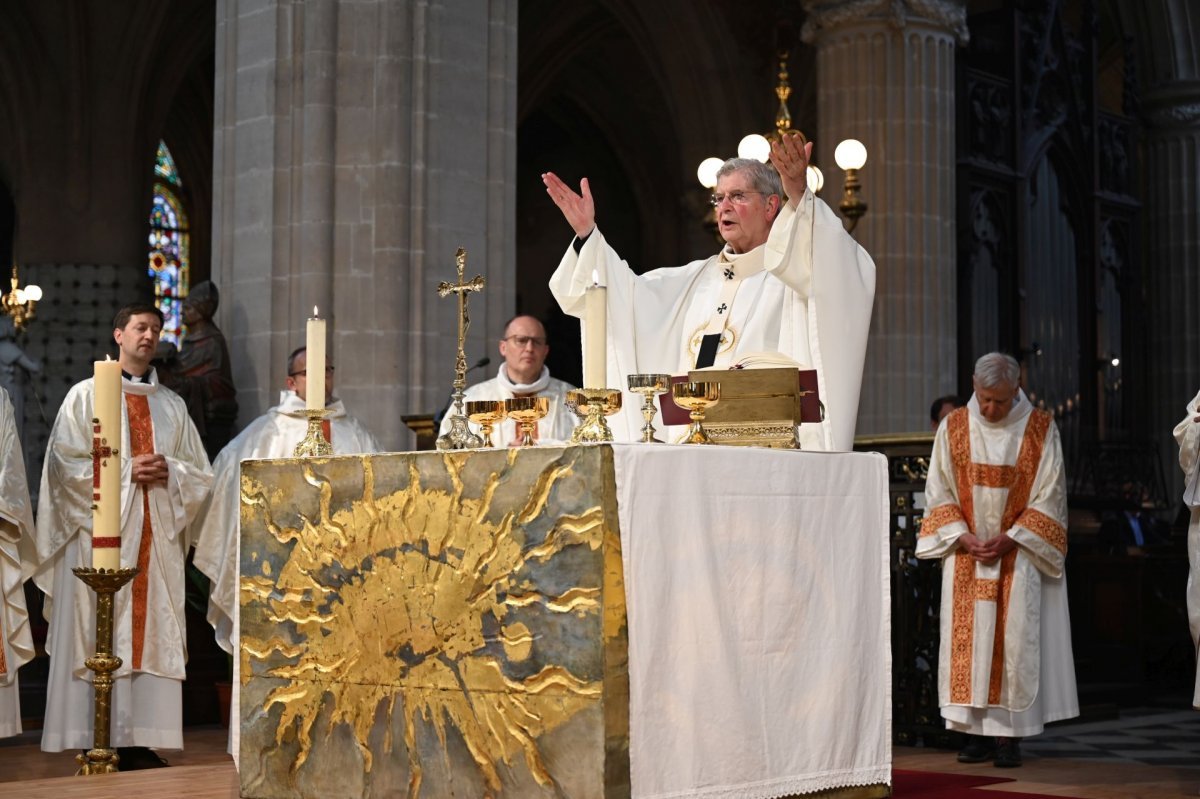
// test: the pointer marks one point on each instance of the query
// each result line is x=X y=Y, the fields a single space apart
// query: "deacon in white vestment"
x=275 y=434
x=789 y=280
x=524 y=374
x=16 y=526
x=1187 y=434
x=997 y=515
x=165 y=476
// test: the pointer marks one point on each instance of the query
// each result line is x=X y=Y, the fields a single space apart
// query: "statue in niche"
x=15 y=369
x=200 y=371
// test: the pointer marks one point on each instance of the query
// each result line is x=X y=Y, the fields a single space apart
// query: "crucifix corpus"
x=459 y=436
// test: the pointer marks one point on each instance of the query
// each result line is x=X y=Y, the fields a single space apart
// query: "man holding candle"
x=16 y=532
x=789 y=280
x=524 y=374
x=164 y=478
x=275 y=434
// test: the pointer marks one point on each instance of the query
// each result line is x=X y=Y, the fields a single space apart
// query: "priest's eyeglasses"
x=328 y=371
x=735 y=197
x=521 y=342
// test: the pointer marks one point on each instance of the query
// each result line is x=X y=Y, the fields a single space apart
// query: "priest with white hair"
x=997 y=519
x=790 y=282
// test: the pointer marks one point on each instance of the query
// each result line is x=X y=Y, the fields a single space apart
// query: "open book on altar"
x=762 y=391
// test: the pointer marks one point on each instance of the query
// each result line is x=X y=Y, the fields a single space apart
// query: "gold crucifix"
x=460 y=435
x=460 y=288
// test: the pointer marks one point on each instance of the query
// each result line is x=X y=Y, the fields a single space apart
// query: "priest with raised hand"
x=16 y=526
x=275 y=434
x=789 y=280
x=997 y=519
x=165 y=476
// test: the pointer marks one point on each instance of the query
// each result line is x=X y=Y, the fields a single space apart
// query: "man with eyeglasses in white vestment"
x=524 y=374
x=789 y=281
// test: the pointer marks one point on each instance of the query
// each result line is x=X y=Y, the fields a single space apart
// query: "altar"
x=588 y=621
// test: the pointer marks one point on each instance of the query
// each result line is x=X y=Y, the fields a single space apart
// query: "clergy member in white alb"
x=524 y=374
x=997 y=499
x=1187 y=434
x=16 y=532
x=165 y=476
x=275 y=434
x=789 y=280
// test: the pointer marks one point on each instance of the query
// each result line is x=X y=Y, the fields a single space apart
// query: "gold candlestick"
x=592 y=405
x=102 y=758
x=314 y=443
x=696 y=397
x=526 y=411
x=649 y=386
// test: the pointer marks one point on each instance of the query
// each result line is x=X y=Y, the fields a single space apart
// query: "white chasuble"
x=1187 y=434
x=555 y=427
x=149 y=629
x=806 y=293
x=16 y=529
x=1005 y=665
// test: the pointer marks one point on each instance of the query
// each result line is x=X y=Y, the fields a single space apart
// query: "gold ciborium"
x=649 y=386
x=591 y=405
x=526 y=411
x=696 y=397
x=486 y=413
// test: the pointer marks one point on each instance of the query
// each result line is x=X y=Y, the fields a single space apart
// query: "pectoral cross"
x=460 y=435
x=461 y=288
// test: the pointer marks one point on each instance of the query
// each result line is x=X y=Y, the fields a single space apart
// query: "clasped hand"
x=987 y=551
x=149 y=469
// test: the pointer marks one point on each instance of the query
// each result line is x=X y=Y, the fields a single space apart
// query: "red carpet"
x=932 y=785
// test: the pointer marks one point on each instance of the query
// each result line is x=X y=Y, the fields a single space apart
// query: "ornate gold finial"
x=459 y=436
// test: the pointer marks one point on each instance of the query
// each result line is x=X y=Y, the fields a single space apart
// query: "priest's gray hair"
x=996 y=369
x=763 y=177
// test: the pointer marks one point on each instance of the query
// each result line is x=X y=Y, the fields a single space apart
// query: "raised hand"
x=578 y=209
x=789 y=156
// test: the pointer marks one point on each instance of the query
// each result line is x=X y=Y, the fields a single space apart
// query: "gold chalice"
x=526 y=411
x=649 y=386
x=696 y=397
x=485 y=413
x=591 y=405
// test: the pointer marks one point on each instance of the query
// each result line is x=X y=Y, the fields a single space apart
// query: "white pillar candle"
x=314 y=368
x=595 y=335
x=106 y=465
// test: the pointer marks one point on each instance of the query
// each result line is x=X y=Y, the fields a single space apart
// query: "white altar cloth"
x=757 y=591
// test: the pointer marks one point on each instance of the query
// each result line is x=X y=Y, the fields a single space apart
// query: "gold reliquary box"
x=758 y=407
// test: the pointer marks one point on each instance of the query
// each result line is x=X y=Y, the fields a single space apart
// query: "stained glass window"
x=168 y=245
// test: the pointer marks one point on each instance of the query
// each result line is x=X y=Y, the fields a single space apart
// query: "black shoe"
x=977 y=750
x=135 y=758
x=1008 y=753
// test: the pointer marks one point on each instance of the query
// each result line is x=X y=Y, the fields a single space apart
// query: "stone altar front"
x=433 y=625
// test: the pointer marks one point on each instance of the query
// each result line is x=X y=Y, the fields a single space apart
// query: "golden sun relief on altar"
x=425 y=623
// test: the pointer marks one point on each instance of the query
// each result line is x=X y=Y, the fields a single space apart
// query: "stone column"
x=1171 y=220
x=885 y=76
x=358 y=143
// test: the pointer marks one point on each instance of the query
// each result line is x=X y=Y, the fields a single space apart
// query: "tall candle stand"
x=591 y=405
x=314 y=443
x=102 y=758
